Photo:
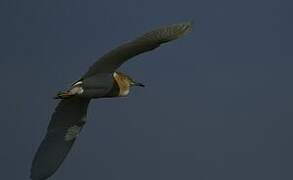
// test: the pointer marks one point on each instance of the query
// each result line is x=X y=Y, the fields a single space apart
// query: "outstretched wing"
x=149 y=41
x=66 y=123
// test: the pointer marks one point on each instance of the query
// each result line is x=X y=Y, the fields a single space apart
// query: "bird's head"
x=125 y=82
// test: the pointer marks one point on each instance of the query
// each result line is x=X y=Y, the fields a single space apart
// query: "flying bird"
x=101 y=80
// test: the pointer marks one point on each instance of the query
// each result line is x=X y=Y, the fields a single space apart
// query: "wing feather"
x=66 y=123
x=147 y=42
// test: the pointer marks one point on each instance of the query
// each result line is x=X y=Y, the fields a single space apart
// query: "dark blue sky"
x=218 y=103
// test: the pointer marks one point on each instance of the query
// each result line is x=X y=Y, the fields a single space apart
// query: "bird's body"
x=100 y=81
x=99 y=86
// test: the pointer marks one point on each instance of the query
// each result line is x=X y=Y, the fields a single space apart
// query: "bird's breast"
x=122 y=85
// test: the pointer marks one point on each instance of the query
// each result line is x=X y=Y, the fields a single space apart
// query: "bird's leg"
x=63 y=95
x=75 y=90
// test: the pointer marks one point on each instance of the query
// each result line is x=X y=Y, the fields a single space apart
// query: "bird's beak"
x=138 y=84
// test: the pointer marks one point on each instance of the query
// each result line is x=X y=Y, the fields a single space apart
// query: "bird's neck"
x=123 y=85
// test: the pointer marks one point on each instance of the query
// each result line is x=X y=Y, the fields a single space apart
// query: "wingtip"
x=185 y=27
x=188 y=25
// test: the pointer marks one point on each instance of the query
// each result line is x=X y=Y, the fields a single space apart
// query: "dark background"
x=218 y=103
